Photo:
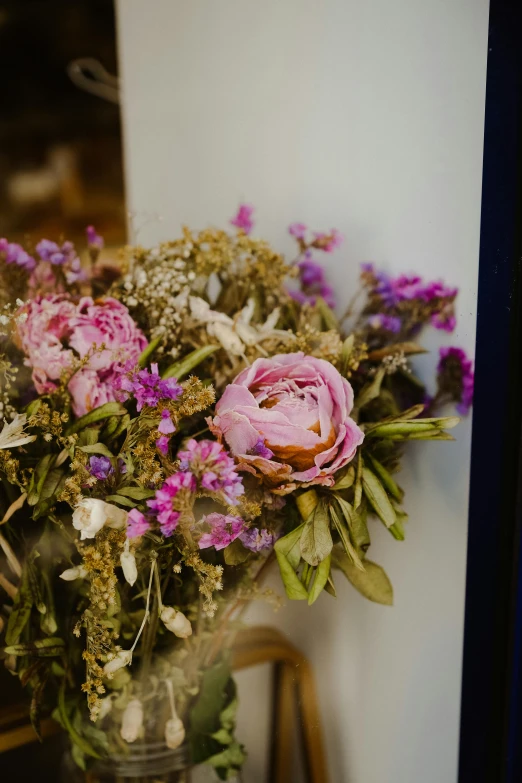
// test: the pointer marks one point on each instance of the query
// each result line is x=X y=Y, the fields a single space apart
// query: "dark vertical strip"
x=491 y=724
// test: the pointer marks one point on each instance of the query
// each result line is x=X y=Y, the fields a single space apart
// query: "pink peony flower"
x=286 y=419
x=57 y=330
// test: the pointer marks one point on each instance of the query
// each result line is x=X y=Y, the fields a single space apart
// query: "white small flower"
x=174 y=733
x=105 y=706
x=176 y=622
x=132 y=721
x=13 y=434
x=91 y=514
x=128 y=563
x=76 y=572
x=121 y=659
x=227 y=337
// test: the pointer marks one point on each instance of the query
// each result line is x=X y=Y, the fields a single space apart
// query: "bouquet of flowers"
x=172 y=424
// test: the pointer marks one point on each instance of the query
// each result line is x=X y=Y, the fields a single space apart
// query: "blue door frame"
x=491 y=712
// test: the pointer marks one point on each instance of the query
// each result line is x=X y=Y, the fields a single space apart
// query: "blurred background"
x=60 y=146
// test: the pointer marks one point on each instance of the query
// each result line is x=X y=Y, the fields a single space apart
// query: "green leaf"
x=327 y=314
x=397 y=531
x=347 y=352
x=321 y=577
x=38 y=478
x=386 y=478
x=97 y=448
x=49 y=647
x=373 y=582
x=149 y=350
x=98 y=414
x=289 y=546
x=136 y=493
x=409 y=429
x=78 y=740
x=122 y=501
x=316 y=539
x=88 y=437
x=235 y=553
x=189 y=362
x=345 y=479
x=330 y=586
x=371 y=390
x=293 y=587
x=205 y=715
x=345 y=539
x=378 y=498
x=356 y=524
x=21 y=610
x=357 y=493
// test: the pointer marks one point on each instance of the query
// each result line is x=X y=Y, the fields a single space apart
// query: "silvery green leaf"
x=322 y=573
x=378 y=498
x=356 y=524
x=98 y=414
x=373 y=582
x=388 y=481
x=344 y=535
x=344 y=479
x=316 y=539
x=293 y=587
x=289 y=546
x=371 y=390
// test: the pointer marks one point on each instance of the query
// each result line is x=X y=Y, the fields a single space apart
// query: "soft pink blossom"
x=223 y=530
x=299 y=406
x=57 y=330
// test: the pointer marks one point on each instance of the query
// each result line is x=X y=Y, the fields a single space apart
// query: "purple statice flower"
x=54 y=253
x=137 y=524
x=148 y=388
x=389 y=323
x=162 y=444
x=162 y=505
x=456 y=377
x=311 y=273
x=261 y=450
x=223 y=530
x=328 y=241
x=297 y=230
x=313 y=283
x=243 y=218
x=213 y=468
x=166 y=425
x=257 y=540
x=100 y=467
x=94 y=240
x=444 y=320
x=15 y=254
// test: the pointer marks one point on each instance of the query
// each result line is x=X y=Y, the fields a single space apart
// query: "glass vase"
x=147 y=762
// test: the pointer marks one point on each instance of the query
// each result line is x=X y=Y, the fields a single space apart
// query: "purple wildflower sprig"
x=150 y=390
x=12 y=253
x=455 y=379
x=408 y=300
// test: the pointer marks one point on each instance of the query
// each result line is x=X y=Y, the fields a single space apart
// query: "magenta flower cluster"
x=243 y=218
x=394 y=290
x=224 y=529
x=204 y=466
x=11 y=253
x=213 y=468
x=148 y=387
x=454 y=361
x=313 y=283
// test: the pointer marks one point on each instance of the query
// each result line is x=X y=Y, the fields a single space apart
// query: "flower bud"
x=128 y=564
x=76 y=572
x=176 y=622
x=174 y=733
x=105 y=706
x=132 y=721
x=121 y=659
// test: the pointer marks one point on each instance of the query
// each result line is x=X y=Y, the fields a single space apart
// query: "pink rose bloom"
x=287 y=419
x=42 y=336
x=57 y=330
x=106 y=321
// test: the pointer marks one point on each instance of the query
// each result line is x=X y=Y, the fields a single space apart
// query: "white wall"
x=367 y=116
